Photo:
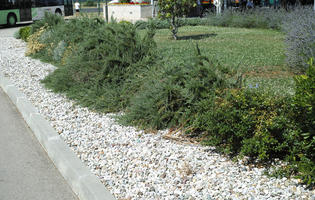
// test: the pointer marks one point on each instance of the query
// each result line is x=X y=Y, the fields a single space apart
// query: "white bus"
x=16 y=11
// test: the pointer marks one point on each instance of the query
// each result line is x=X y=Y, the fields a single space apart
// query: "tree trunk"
x=174 y=23
x=174 y=28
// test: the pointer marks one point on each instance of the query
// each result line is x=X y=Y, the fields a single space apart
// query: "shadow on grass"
x=197 y=37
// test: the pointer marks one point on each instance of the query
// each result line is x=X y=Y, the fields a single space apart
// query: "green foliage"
x=264 y=127
x=250 y=122
x=96 y=60
x=305 y=95
x=90 y=3
x=304 y=104
x=172 y=10
x=112 y=67
x=256 y=18
x=165 y=24
x=125 y=22
x=172 y=90
x=25 y=32
x=244 y=121
x=49 y=20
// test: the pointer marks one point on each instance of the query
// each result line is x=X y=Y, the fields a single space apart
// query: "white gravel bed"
x=137 y=165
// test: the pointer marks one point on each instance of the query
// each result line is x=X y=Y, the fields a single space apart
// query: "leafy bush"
x=300 y=38
x=264 y=127
x=304 y=104
x=173 y=10
x=258 y=125
x=25 y=32
x=305 y=97
x=249 y=122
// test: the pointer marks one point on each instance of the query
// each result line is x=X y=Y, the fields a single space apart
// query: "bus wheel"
x=11 y=20
x=58 y=12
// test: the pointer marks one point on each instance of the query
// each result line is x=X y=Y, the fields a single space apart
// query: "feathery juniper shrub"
x=300 y=38
x=49 y=20
x=104 y=59
x=57 y=39
x=171 y=91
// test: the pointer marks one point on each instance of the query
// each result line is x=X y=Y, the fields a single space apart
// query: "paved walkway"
x=26 y=172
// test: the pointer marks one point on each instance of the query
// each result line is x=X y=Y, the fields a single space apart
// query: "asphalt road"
x=26 y=172
x=8 y=32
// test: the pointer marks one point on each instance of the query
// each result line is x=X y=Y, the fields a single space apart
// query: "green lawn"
x=258 y=53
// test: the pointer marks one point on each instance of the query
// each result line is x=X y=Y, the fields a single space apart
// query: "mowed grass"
x=257 y=53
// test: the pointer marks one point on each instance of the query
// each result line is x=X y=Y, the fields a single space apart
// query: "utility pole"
x=152 y=4
x=99 y=7
x=105 y=11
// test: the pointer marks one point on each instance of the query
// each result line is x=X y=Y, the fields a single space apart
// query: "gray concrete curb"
x=83 y=183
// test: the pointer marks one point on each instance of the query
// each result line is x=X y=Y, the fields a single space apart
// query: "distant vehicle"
x=16 y=11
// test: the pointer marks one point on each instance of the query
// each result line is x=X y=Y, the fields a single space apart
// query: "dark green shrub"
x=157 y=23
x=305 y=97
x=58 y=41
x=246 y=122
x=164 y=24
x=172 y=90
x=251 y=122
x=160 y=24
x=90 y=3
x=193 y=21
x=140 y=24
x=103 y=59
x=25 y=32
x=304 y=104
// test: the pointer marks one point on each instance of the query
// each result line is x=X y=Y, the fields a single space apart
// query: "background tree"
x=172 y=10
